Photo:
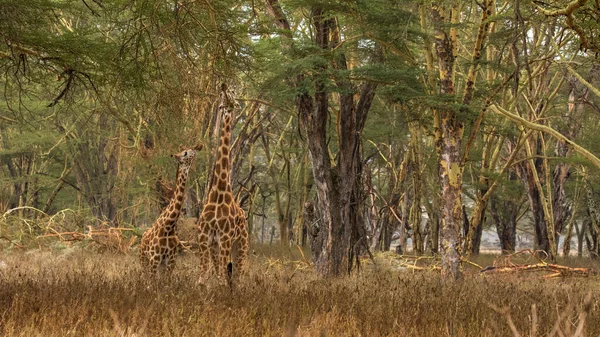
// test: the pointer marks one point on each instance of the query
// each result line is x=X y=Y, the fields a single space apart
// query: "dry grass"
x=76 y=292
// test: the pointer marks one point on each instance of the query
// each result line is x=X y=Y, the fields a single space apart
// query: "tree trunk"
x=340 y=232
x=448 y=147
x=281 y=214
x=95 y=169
x=504 y=214
x=415 y=213
x=433 y=214
x=578 y=96
x=593 y=224
x=580 y=236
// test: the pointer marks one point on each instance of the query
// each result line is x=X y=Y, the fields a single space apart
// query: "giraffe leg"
x=155 y=263
x=204 y=252
x=225 y=259
x=240 y=255
x=170 y=262
x=214 y=255
x=171 y=253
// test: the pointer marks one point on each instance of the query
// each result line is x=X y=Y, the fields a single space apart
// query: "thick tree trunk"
x=339 y=231
x=449 y=148
x=451 y=201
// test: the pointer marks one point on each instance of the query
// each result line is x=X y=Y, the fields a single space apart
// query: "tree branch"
x=548 y=130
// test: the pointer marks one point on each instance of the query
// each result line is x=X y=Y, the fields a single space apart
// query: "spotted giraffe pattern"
x=160 y=243
x=222 y=227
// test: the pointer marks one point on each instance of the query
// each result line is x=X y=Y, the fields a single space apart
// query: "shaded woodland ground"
x=84 y=292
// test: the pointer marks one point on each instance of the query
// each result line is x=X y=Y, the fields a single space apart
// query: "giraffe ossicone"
x=160 y=244
x=222 y=226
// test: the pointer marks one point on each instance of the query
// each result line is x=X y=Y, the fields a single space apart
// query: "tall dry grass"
x=76 y=292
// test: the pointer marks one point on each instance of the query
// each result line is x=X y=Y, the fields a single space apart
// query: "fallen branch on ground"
x=107 y=237
x=554 y=270
x=18 y=245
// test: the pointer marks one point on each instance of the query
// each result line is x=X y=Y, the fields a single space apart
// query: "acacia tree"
x=101 y=78
x=338 y=180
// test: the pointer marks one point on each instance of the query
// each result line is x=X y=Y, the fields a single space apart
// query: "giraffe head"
x=228 y=99
x=186 y=156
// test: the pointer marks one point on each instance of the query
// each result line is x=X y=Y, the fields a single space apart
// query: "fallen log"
x=554 y=270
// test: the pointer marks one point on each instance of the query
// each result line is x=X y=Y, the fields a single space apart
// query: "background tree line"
x=360 y=122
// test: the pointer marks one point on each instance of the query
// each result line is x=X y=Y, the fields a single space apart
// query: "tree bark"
x=340 y=232
x=95 y=170
x=526 y=174
x=448 y=147
x=504 y=215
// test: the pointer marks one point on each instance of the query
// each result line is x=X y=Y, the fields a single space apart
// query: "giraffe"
x=160 y=243
x=222 y=227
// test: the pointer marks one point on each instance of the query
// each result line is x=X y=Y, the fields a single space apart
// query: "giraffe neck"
x=173 y=210
x=221 y=180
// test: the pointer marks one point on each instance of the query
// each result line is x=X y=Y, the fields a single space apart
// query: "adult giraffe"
x=222 y=226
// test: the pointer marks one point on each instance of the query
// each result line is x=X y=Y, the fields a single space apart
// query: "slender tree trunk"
x=415 y=213
x=505 y=219
x=578 y=95
x=594 y=223
x=580 y=237
x=541 y=235
x=281 y=215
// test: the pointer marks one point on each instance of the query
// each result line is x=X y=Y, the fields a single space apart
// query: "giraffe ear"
x=198 y=146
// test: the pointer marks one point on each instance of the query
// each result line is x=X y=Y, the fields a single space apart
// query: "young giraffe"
x=160 y=243
x=222 y=233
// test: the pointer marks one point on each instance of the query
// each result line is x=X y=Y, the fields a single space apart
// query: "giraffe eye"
x=185 y=154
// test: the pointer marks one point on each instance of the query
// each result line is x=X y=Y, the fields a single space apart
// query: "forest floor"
x=84 y=292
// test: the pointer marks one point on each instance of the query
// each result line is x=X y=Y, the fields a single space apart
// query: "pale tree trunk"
x=474 y=227
x=448 y=145
x=449 y=129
